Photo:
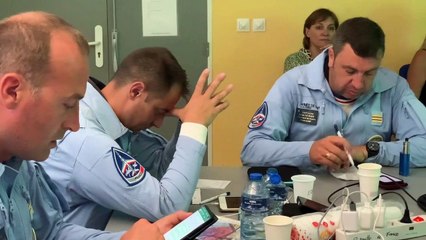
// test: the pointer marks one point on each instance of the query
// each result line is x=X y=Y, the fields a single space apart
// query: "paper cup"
x=278 y=227
x=369 y=175
x=303 y=185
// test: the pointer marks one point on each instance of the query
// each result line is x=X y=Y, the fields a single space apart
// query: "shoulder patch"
x=259 y=117
x=128 y=168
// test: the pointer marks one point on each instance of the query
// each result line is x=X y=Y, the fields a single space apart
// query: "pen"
x=215 y=197
x=347 y=153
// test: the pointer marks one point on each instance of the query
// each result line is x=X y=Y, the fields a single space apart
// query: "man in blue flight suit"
x=343 y=88
x=43 y=75
x=97 y=175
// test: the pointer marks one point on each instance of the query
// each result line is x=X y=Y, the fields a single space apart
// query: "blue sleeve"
x=97 y=178
x=69 y=231
x=48 y=204
x=267 y=144
x=153 y=151
x=408 y=121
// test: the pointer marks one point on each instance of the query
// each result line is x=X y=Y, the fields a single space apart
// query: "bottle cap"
x=271 y=170
x=275 y=178
x=255 y=176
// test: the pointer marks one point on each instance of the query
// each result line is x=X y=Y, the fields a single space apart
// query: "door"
x=82 y=14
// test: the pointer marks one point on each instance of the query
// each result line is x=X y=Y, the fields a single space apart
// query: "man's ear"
x=331 y=57
x=136 y=89
x=11 y=86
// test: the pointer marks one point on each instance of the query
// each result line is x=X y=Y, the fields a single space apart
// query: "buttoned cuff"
x=195 y=131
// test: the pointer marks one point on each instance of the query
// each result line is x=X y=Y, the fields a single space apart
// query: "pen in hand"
x=214 y=198
x=347 y=153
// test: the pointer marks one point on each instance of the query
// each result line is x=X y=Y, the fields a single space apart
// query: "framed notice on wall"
x=159 y=18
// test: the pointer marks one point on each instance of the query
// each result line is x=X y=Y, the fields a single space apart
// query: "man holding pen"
x=344 y=86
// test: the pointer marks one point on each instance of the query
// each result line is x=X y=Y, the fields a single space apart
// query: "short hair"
x=365 y=37
x=318 y=15
x=25 y=44
x=156 y=67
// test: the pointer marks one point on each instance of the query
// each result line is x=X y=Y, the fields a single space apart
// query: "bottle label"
x=277 y=192
x=255 y=205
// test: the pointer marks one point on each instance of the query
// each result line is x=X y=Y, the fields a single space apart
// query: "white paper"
x=212 y=184
x=159 y=18
x=350 y=173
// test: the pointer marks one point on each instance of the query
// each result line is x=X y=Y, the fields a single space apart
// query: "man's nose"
x=72 y=123
x=358 y=81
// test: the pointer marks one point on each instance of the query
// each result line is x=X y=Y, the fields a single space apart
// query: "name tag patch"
x=306 y=116
x=259 y=117
x=130 y=170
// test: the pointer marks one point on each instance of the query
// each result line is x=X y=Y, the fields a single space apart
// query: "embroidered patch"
x=129 y=169
x=377 y=118
x=259 y=117
x=306 y=116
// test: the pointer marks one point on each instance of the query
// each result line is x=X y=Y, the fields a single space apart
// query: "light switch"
x=259 y=25
x=243 y=25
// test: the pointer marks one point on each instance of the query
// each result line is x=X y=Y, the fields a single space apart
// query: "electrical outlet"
x=259 y=25
x=394 y=230
x=243 y=25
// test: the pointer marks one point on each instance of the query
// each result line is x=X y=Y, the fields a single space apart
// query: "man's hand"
x=330 y=151
x=168 y=222
x=359 y=153
x=204 y=105
x=145 y=230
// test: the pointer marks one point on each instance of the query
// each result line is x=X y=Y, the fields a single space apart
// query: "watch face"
x=373 y=146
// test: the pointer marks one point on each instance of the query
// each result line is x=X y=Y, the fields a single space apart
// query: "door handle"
x=99 y=49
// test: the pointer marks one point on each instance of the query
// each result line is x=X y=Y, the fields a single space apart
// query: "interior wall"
x=254 y=60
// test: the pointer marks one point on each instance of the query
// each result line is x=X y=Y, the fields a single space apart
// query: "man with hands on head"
x=344 y=86
x=43 y=75
x=97 y=175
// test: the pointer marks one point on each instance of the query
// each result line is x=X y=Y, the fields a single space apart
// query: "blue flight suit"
x=300 y=108
x=96 y=175
x=150 y=149
x=31 y=206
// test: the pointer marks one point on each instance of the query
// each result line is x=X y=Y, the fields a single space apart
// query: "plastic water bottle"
x=254 y=207
x=277 y=194
x=267 y=175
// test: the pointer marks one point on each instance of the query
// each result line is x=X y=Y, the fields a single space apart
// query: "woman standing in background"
x=417 y=73
x=318 y=30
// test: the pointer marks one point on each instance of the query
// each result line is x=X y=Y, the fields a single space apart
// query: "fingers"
x=331 y=152
x=335 y=162
x=218 y=98
x=215 y=84
x=141 y=229
x=204 y=106
x=168 y=222
x=202 y=81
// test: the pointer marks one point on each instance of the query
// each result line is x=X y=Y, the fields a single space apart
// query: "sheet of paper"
x=159 y=18
x=212 y=184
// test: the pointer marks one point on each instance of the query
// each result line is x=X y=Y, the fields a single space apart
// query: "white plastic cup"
x=303 y=185
x=369 y=175
x=278 y=227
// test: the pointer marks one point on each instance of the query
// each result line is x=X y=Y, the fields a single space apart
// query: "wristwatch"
x=373 y=148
